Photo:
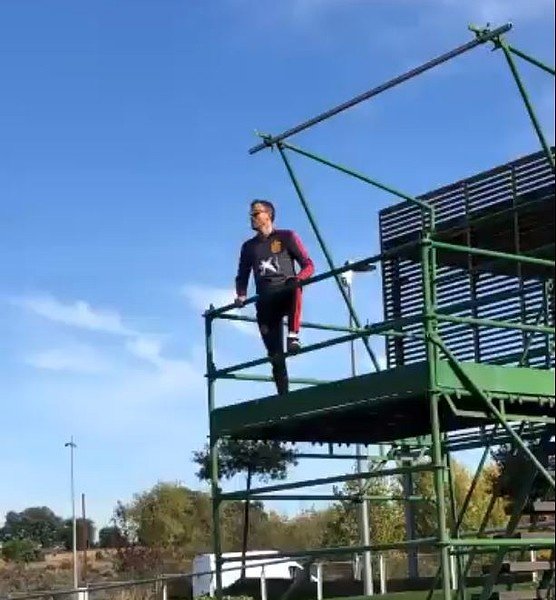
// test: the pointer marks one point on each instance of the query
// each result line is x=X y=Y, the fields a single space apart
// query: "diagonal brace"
x=326 y=253
x=526 y=450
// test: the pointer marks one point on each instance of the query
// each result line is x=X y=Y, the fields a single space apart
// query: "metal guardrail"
x=161 y=583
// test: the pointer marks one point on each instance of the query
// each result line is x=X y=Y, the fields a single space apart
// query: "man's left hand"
x=292 y=282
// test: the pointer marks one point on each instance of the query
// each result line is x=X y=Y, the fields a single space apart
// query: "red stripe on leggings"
x=297 y=310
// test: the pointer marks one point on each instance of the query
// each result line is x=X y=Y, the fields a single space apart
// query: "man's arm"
x=243 y=272
x=301 y=256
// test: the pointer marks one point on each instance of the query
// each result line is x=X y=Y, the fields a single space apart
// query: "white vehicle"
x=204 y=579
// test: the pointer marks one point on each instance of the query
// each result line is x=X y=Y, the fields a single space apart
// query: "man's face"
x=260 y=217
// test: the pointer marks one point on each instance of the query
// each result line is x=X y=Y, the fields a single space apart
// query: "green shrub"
x=20 y=551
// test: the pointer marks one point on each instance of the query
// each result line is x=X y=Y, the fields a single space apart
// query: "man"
x=271 y=256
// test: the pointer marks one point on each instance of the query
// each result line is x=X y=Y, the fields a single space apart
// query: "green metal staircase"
x=523 y=507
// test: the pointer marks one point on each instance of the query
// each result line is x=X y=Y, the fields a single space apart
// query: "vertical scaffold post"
x=428 y=262
x=215 y=488
x=457 y=574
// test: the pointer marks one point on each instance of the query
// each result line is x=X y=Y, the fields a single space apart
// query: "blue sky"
x=125 y=182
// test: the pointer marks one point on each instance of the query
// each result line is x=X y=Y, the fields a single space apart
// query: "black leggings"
x=270 y=315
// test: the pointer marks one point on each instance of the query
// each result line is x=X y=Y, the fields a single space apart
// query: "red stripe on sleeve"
x=302 y=256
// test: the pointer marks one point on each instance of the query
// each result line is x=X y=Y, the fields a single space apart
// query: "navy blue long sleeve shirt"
x=272 y=261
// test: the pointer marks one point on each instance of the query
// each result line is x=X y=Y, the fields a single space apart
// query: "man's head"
x=262 y=215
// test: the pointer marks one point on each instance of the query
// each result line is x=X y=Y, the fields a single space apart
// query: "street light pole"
x=364 y=525
x=71 y=444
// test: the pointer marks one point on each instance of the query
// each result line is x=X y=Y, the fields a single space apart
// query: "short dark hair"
x=268 y=205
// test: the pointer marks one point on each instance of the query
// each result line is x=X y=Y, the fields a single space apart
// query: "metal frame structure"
x=469 y=404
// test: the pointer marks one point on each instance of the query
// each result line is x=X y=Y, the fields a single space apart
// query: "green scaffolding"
x=502 y=404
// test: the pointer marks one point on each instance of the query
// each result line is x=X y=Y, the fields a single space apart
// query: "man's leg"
x=269 y=318
x=294 y=320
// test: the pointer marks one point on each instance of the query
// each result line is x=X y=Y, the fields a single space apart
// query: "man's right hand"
x=240 y=301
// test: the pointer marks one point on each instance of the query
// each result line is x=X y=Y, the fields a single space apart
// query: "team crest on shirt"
x=276 y=246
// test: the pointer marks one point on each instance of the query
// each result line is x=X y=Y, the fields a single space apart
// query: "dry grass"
x=58 y=558
x=55 y=571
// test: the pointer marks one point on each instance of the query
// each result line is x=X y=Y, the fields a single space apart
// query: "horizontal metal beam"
x=479 y=440
x=325 y=455
x=485 y=414
x=343 y=550
x=391 y=455
x=518 y=258
x=484 y=37
x=264 y=378
x=367 y=331
x=266 y=559
x=491 y=264
x=213 y=313
x=494 y=323
x=502 y=543
x=282 y=487
x=476 y=552
x=355 y=498
x=303 y=324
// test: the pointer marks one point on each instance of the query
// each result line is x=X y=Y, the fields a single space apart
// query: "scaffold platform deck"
x=389 y=405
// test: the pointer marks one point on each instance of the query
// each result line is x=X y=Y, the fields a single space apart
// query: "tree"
x=232 y=525
x=166 y=522
x=261 y=459
x=38 y=524
x=124 y=523
x=131 y=558
x=164 y=516
x=481 y=500
x=282 y=533
x=111 y=537
x=171 y=516
x=385 y=517
x=425 y=511
x=298 y=532
x=341 y=527
x=257 y=459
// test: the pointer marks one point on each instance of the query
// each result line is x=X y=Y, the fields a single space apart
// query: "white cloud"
x=78 y=314
x=200 y=297
x=318 y=20
x=170 y=375
x=124 y=390
x=78 y=359
x=499 y=11
x=490 y=10
x=146 y=349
